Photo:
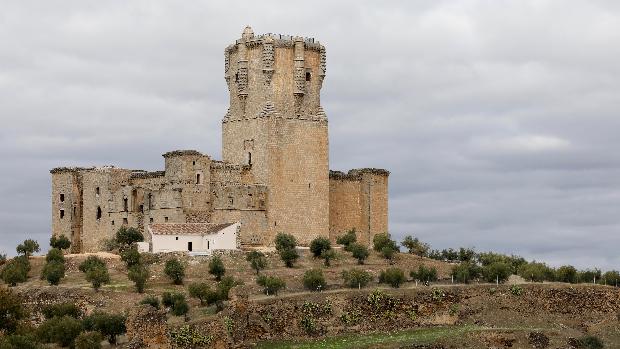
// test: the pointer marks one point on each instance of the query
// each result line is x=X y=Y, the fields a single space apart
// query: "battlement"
x=357 y=173
x=147 y=174
x=74 y=169
x=189 y=152
x=278 y=40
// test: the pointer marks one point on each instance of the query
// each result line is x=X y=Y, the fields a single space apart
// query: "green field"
x=381 y=340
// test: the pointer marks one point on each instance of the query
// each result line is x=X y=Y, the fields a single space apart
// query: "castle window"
x=125 y=221
x=150 y=201
x=98 y=212
x=176 y=238
x=112 y=222
x=151 y=220
x=62 y=197
x=62 y=214
x=166 y=219
x=236 y=77
x=308 y=76
x=308 y=185
x=142 y=208
x=194 y=163
x=74 y=211
x=125 y=205
x=197 y=178
x=97 y=191
x=250 y=159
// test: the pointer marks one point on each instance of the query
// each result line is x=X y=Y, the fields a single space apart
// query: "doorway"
x=189 y=246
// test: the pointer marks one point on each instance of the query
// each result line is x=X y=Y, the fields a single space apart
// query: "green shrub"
x=224 y=286
x=415 y=246
x=62 y=309
x=257 y=260
x=359 y=252
x=60 y=242
x=271 y=284
x=216 y=267
x=131 y=257
x=189 y=337
x=28 y=247
x=392 y=276
x=320 y=245
x=11 y=310
x=381 y=240
x=2 y=259
x=589 y=275
x=590 y=342
x=176 y=302
x=314 y=280
x=128 y=235
x=496 y=272
x=356 y=278
x=14 y=272
x=19 y=342
x=536 y=272
x=286 y=247
x=516 y=290
x=424 y=274
x=109 y=325
x=88 y=340
x=465 y=272
x=139 y=274
x=151 y=300
x=611 y=278
x=175 y=271
x=54 y=255
x=91 y=262
x=566 y=273
x=389 y=251
x=98 y=276
x=60 y=330
x=53 y=272
x=328 y=256
x=203 y=292
x=347 y=239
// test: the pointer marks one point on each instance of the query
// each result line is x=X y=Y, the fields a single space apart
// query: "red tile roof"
x=186 y=228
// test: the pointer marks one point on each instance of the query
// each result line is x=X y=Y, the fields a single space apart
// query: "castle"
x=274 y=175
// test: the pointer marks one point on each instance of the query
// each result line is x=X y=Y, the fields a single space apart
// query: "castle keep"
x=274 y=175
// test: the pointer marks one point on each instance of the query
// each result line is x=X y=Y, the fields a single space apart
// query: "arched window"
x=308 y=76
x=125 y=205
x=197 y=178
x=98 y=212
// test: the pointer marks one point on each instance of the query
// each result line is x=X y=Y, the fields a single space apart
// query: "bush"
x=11 y=310
x=314 y=280
x=611 y=278
x=590 y=342
x=488 y=258
x=128 y=235
x=151 y=300
x=359 y=252
x=389 y=251
x=347 y=239
x=224 y=286
x=589 y=275
x=392 y=276
x=60 y=242
x=216 y=267
x=465 y=272
x=285 y=245
x=271 y=284
x=98 y=276
x=356 y=278
x=381 y=240
x=415 y=246
x=131 y=257
x=109 y=325
x=566 y=273
x=62 y=309
x=175 y=271
x=88 y=340
x=91 y=262
x=53 y=272
x=424 y=274
x=55 y=255
x=14 y=272
x=536 y=272
x=60 y=330
x=203 y=292
x=28 y=247
x=320 y=245
x=328 y=256
x=19 y=342
x=466 y=254
x=496 y=272
x=516 y=290
x=257 y=260
x=139 y=274
x=176 y=302
x=289 y=256
x=2 y=259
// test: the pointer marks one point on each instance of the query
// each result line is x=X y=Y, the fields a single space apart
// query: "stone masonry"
x=274 y=176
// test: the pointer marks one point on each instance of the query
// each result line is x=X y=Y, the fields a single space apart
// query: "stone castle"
x=274 y=175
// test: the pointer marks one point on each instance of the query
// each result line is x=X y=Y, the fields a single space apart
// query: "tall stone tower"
x=275 y=125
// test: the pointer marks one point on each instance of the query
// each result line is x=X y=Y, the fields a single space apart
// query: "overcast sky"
x=497 y=119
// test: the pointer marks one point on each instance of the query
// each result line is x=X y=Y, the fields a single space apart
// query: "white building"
x=193 y=237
